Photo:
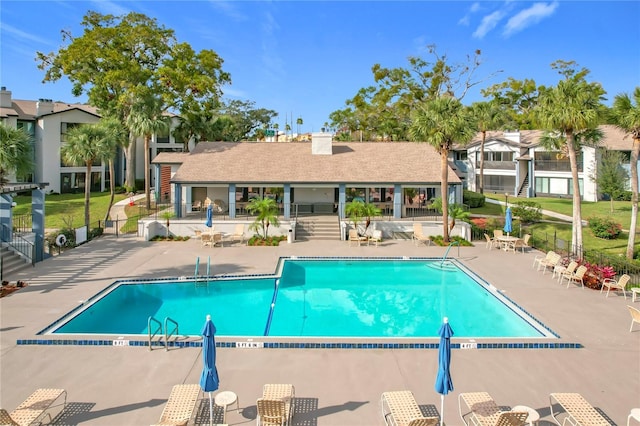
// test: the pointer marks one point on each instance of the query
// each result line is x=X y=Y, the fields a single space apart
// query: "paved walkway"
x=111 y=385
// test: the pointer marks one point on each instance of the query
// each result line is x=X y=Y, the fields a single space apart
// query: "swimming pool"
x=332 y=297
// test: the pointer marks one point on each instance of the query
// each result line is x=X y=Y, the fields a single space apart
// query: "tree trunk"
x=576 y=229
x=484 y=136
x=444 y=192
x=87 y=194
x=130 y=159
x=147 y=163
x=112 y=190
x=635 y=152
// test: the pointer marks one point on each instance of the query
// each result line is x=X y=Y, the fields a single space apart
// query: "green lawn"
x=67 y=210
x=621 y=214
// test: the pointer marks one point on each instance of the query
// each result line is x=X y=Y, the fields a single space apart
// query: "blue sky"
x=306 y=58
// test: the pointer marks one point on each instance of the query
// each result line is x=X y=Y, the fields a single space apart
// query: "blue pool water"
x=316 y=298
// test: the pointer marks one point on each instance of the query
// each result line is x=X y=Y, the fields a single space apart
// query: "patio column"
x=342 y=199
x=37 y=222
x=177 y=201
x=6 y=221
x=156 y=173
x=232 y=201
x=287 y=200
x=397 y=201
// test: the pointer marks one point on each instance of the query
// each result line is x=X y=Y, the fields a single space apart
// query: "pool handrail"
x=155 y=333
x=166 y=332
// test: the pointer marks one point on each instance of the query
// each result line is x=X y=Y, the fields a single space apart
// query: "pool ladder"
x=158 y=330
x=453 y=243
x=196 y=273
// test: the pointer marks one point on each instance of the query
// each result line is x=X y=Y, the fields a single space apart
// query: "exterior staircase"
x=318 y=228
x=11 y=263
x=523 y=187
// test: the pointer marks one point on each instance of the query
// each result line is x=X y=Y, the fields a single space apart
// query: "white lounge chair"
x=35 y=408
x=418 y=236
x=180 y=406
x=481 y=410
x=399 y=408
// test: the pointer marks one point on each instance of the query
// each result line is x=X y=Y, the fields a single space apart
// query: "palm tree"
x=299 y=122
x=146 y=119
x=369 y=210
x=565 y=111
x=626 y=115
x=354 y=210
x=441 y=122
x=456 y=212
x=287 y=128
x=85 y=145
x=276 y=127
x=15 y=153
x=115 y=136
x=266 y=211
x=488 y=116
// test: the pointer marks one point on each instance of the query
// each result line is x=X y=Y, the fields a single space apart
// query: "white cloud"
x=22 y=35
x=466 y=19
x=229 y=9
x=489 y=22
x=528 y=17
x=110 y=7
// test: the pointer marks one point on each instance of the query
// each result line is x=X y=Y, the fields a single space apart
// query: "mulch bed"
x=7 y=288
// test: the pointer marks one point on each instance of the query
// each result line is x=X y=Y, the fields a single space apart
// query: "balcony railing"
x=555 y=166
x=499 y=165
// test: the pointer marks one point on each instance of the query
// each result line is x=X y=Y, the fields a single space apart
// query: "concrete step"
x=11 y=263
x=318 y=229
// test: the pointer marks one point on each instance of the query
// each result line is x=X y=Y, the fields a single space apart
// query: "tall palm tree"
x=287 y=129
x=266 y=211
x=626 y=114
x=276 y=127
x=85 y=146
x=299 y=122
x=488 y=116
x=115 y=136
x=441 y=122
x=15 y=153
x=146 y=119
x=565 y=111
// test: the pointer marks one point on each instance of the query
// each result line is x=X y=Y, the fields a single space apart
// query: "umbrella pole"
x=210 y=409
x=441 y=410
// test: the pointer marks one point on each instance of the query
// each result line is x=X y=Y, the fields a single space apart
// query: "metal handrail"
x=166 y=334
x=18 y=243
x=149 y=321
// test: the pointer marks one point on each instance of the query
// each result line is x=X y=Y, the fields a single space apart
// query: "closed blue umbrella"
x=508 y=221
x=209 y=379
x=444 y=384
x=209 y=222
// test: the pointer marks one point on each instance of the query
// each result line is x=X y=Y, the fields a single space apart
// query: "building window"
x=162 y=137
x=557 y=186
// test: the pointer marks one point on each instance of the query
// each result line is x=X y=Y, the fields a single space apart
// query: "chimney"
x=512 y=135
x=44 y=106
x=321 y=144
x=5 y=97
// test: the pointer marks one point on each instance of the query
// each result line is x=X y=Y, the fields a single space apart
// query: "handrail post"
x=149 y=321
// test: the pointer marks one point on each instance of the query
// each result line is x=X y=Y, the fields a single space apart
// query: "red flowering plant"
x=596 y=274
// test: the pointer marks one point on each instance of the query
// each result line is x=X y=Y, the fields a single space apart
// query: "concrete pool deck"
x=113 y=385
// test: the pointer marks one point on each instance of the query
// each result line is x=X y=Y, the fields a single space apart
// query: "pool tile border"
x=299 y=345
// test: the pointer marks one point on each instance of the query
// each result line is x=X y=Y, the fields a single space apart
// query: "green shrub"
x=625 y=196
x=473 y=199
x=527 y=211
x=438 y=240
x=139 y=184
x=95 y=232
x=605 y=227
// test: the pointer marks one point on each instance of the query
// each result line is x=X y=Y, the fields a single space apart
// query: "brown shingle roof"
x=278 y=162
x=170 y=157
x=26 y=110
